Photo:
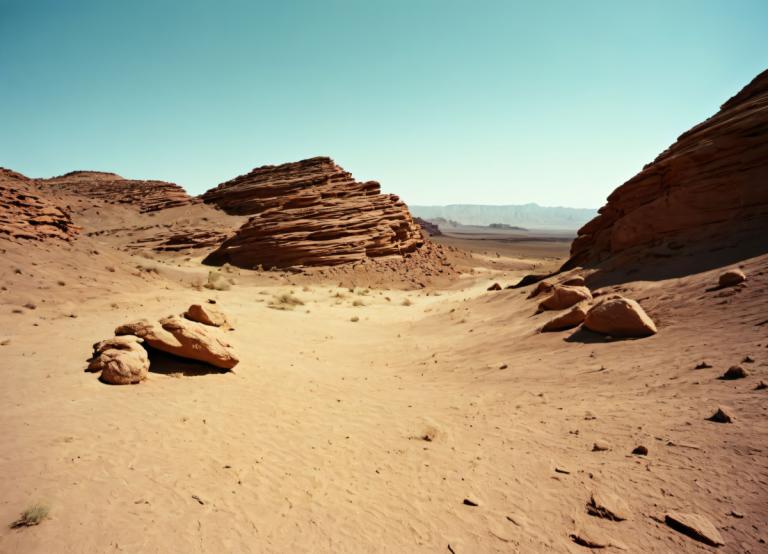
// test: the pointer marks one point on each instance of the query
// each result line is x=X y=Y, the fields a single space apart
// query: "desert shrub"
x=216 y=281
x=285 y=301
x=31 y=516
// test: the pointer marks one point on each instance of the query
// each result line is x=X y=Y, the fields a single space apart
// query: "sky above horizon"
x=442 y=101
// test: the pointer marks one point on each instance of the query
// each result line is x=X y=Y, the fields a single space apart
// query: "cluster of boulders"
x=612 y=315
x=197 y=335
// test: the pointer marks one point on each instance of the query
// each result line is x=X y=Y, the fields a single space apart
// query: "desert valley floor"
x=377 y=418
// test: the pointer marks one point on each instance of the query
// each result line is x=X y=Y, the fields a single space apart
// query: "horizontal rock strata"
x=25 y=214
x=711 y=182
x=311 y=213
x=147 y=196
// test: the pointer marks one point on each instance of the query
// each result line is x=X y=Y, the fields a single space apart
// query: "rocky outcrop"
x=708 y=184
x=184 y=338
x=311 y=213
x=147 y=196
x=27 y=215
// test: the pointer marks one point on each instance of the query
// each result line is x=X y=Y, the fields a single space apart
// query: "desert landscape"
x=290 y=362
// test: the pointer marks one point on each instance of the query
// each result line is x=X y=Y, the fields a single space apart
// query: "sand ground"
x=335 y=435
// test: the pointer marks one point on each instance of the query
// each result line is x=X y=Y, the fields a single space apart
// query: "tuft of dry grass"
x=33 y=515
x=216 y=281
x=285 y=301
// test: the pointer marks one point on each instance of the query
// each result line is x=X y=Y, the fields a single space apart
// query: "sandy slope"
x=316 y=442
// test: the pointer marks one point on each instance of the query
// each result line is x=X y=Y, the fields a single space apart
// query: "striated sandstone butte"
x=311 y=213
x=24 y=214
x=147 y=196
x=709 y=184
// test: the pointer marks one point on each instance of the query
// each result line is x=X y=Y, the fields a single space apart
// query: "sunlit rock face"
x=709 y=184
x=311 y=213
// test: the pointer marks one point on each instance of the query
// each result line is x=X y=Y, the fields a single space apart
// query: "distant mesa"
x=147 y=196
x=710 y=185
x=431 y=228
x=27 y=215
x=311 y=213
x=526 y=216
x=506 y=227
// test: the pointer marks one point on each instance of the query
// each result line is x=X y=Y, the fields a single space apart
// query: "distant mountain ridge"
x=531 y=216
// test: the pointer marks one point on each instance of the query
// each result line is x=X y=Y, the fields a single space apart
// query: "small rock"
x=468 y=502
x=722 y=415
x=600 y=446
x=695 y=526
x=607 y=505
x=572 y=318
x=731 y=278
x=761 y=385
x=503 y=366
x=494 y=286
x=702 y=365
x=205 y=315
x=734 y=372
x=640 y=451
x=748 y=360
x=737 y=515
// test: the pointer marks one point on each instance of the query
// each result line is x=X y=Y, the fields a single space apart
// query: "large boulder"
x=208 y=315
x=184 y=338
x=619 y=317
x=121 y=360
x=563 y=297
x=572 y=318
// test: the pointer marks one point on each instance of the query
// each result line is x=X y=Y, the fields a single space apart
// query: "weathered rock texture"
x=709 y=183
x=121 y=360
x=311 y=213
x=25 y=214
x=184 y=338
x=147 y=196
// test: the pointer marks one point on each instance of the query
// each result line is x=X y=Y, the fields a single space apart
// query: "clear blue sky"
x=442 y=101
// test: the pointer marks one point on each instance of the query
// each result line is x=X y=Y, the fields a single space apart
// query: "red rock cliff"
x=311 y=213
x=25 y=214
x=712 y=182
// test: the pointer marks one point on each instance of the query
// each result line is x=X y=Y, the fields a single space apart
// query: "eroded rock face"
x=619 y=317
x=708 y=184
x=27 y=215
x=147 y=196
x=311 y=213
x=121 y=360
x=184 y=338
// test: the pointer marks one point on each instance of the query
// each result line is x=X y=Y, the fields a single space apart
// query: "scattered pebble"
x=761 y=385
x=640 y=451
x=600 y=446
x=702 y=365
x=468 y=502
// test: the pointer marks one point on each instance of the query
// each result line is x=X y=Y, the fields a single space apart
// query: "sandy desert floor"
x=334 y=435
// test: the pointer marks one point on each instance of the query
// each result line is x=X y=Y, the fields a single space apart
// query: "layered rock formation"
x=24 y=214
x=147 y=196
x=710 y=183
x=311 y=213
